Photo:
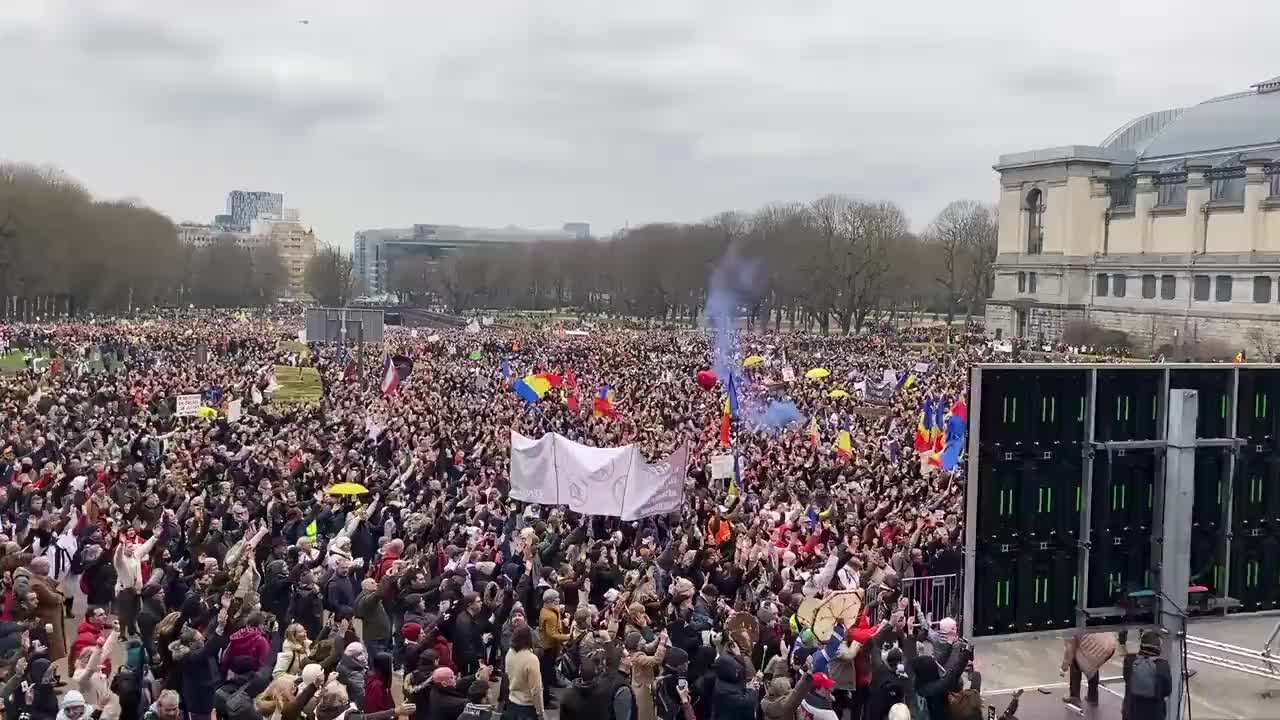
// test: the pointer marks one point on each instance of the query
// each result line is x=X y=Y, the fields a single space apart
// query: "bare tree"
x=330 y=278
x=962 y=238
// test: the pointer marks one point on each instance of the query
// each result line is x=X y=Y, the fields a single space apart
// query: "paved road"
x=1216 y=693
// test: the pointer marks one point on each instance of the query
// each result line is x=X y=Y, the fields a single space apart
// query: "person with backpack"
x=1148 y=681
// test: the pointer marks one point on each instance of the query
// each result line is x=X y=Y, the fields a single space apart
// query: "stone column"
x=1256 y=189
x=1099 y=202
x=1144 y=198
x=1197 y=202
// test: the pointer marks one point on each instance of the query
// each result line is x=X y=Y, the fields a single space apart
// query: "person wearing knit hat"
x=781 y=700
x=72 y=706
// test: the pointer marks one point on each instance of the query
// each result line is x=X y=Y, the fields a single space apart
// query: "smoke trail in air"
x=731 y=282
x=734 y=282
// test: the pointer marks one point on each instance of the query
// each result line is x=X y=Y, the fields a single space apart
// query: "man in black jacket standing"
x=467 y=636
x=1148 y=681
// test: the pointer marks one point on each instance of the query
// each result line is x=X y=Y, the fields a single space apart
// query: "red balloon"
x=706 y=379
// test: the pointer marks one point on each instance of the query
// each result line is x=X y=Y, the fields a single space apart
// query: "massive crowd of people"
x=159 y=566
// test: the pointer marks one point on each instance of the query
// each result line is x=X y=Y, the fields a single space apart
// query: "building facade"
x=297 y=245
x=374 y=251
x=245 y=206
x=1168 y=231
x=199 y=235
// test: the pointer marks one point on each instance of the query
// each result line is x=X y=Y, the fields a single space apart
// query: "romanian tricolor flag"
x=924 y=428
x=957 y=430
x=726 y=426
x=951 y=438
x=531 y=388
x=844 y=444
x=813 y=433
x=938 y=429
x=603 y=404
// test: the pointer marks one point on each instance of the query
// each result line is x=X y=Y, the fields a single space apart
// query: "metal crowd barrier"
x=939 y=595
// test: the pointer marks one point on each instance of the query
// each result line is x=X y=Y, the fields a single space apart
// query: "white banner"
x=234 y=410
x=533 y=469
x=187 y=406
x=788 y=374
x=721 y=467
x=656 y=489
x=554 y=470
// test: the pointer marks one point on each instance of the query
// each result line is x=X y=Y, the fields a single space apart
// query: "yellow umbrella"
x=752 y=361
x=207 y=412
x=837 y=393
x=348 y=489
x=817 y=373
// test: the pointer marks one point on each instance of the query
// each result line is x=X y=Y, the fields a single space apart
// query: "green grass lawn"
x=297 y=385
x=13 y=362
x=294 y=346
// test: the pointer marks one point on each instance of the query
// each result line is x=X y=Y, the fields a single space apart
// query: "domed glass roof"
x=1236 y=122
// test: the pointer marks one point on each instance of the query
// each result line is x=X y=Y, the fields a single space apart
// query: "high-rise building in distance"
x=245 y=206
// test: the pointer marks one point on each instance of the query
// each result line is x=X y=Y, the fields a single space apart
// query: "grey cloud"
x=109 y=36
x=187 y=79
x=1059 y=80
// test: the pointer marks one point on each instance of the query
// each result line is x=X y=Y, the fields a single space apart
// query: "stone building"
x=1168 y=231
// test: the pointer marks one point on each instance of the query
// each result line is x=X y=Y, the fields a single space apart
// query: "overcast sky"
x=390 y=112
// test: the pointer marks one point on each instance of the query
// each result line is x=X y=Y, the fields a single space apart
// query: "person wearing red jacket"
x=394 y=549
x=91 y=633
x=249 y=641
x=861 y=633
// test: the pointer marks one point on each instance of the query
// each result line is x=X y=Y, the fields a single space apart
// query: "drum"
x=743 y=625
x=841 y=607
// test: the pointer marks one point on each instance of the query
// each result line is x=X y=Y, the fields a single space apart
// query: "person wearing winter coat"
x=819 y=704
x=341 y=591
x=731 y=699
x=377 y=685
x=149 y=616
x=195 y=660
x=306 y=605
x=1148 y=681
x=234 y=700
x=50 y=604
x=294 y=652
x=73 y=706
x=376 y=622
x=287 y=696
x=449 y=693
x=1083 y=657
x=467 y=634
x=932 y=681
x=90 y=634
x=890 y=684
x=644 y=670
x=351 y=671
x=249 y=641
x=782 y=701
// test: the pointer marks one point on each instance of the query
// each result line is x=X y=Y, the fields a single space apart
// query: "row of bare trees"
x=111 y=256
x=836 y=262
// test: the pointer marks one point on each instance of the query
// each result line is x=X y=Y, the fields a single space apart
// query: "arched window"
x=1035 y=222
